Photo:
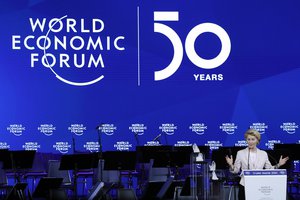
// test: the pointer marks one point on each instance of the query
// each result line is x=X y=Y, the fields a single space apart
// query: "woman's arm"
x=234 y=168
x=281 y=162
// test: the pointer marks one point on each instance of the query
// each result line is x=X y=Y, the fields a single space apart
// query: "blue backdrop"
x=114 y=43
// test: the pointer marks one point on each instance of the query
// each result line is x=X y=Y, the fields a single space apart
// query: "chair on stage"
x=18 y=192
x=159 y=168
x=126 y=194
x=157 y=159
x=106 y=176
x=290 y=150
x=37 y=171
x=55 y=172
x=161 y=184
x=49 y=188
x=227 y=180
x=116 y=164
x=158 y=174
x=109 y=178
x=81 y=165
x=4 y=187
x=17 y=163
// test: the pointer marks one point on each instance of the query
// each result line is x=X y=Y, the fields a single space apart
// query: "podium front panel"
x=265 y=184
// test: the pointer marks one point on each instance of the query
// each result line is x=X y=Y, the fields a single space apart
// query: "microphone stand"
x=165 y=135
x=157 y=138
x=75 y=171
x=273 y=159
x=248 y=158
x=137 y=138
x=100 y=151
x=14 y=168
x=73 y=144
x=140 y=182
x=168 y=154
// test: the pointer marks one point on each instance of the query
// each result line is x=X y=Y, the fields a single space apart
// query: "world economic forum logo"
x=198 y=128
x=289 y=127
x=189 y=46
x=168 y=128
x=74 y=50
x=108 y=129
x=16 y=129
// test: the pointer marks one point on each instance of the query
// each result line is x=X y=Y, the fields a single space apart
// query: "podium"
x=265 y=184
x=199 y=179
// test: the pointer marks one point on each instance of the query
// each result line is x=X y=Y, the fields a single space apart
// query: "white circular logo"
x=50 y=66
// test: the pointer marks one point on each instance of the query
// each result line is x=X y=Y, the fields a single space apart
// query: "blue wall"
x=259 y=84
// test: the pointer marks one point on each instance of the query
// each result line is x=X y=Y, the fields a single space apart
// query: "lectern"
x=265 y=184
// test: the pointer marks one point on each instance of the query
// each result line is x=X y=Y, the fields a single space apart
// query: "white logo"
x=241 y=143
x=260 y=127
x=198 y=128
x=123 y=146
x=92 y=146
x=138 y=129
x=153 y=143
x=270 y=143
x=183 y=144
x=77 y=129
x=77 y=45
x=16 y=129
x=4 y=145
x=31 y=146
x=228 y=128
x=169 y=129
x=47 y=129
x=108 y=129
x=214 y=144
x=189 y=44
x=289 y=127
x=62 y=147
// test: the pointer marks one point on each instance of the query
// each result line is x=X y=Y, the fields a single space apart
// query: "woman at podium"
x=251 y=158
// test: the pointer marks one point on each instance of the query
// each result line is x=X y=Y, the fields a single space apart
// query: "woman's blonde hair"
x=254 y=133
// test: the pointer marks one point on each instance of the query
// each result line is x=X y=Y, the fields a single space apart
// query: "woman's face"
x=252 y=141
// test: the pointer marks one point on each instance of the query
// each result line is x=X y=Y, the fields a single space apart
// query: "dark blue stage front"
x=84 y=77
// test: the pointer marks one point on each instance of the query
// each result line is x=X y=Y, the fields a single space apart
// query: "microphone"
x=137 y=138
x=156 y=138
x=99 y=126
x=229 y=152
x=272 y=158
